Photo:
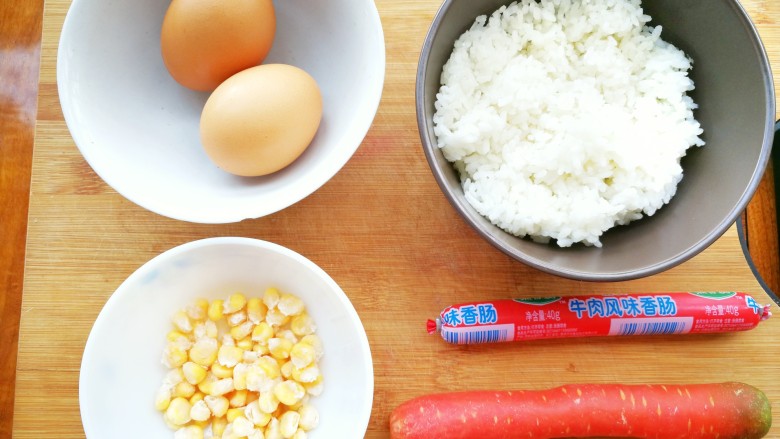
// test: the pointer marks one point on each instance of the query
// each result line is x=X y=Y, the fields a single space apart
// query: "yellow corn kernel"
x=218 y=425
x=287 y=370
x=302 y=355
x=288 y=423
x=196 y=313
x=233 y=413
x=184 y=390
x=235 y=303
x=308 y=374
x=270 y=366
x=271 y=298
x=221 y=371
x=221 y=387
x=207 y=384
x=289 y=392
x=238 y=398
x=193 y=373
x=236 y=318
x=300 y=434
x=189 y=432
x=197 y=396
x=173 y=377
x=250 y=356
x=204 y=351
x=272 y=429
x=260 y=349
x=174 y=356
x=215 y=310
x=267 y=402
x=163 y=398
x=262 y=332
x=315 y=387
x=227 y=340
x=182 y=322
x=230 y=355
x=290 y=305
x=200 y=411
x=288 y=334
x=242 y=426
x=258 y=417
x=255 y=310
x=280 y=348
x=275 y=318
x=239 y=376
x=203 y=304
x=178 y=411
x=302 y=325
x=174 y=335
x=242 y=330
x=316 y=342
x=218 y=405
x=310 y=417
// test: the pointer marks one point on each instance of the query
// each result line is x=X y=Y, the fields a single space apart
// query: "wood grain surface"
x=388 y=237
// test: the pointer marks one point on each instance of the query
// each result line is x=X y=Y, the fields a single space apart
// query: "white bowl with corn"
x=228 y=338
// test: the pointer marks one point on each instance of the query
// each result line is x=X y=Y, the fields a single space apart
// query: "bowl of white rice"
x=598 y=140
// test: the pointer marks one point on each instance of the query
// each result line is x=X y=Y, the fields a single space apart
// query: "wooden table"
x=390 y=240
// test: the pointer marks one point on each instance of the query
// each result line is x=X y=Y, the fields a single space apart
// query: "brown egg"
x=261 y=119
x=204 y=42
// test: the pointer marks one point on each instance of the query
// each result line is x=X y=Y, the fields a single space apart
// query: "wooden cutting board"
x=383 y=230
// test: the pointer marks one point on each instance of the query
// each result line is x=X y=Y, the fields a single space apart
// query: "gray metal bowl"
x=735 y=93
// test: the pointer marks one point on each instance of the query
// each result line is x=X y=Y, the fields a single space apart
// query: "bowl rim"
x=463 y=208
x=257 y=206
x=363 y=414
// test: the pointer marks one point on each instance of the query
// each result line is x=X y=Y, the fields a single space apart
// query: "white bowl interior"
x=138 y=128
x=121 y=368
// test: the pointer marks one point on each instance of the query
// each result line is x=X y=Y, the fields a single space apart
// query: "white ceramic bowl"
x=121 y=369
x=138 y=128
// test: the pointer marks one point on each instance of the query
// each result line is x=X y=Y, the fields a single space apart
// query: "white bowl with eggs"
x=121 y=369
x=139 y=129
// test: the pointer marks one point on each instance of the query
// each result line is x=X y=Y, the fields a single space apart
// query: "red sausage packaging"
x=588 y=316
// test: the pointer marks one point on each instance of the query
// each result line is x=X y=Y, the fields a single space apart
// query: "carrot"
x=723 y=411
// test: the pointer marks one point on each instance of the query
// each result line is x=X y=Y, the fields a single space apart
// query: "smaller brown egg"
x=261 y=119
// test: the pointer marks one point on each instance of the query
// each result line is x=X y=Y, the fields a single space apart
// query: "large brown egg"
x=204 y=42
x=261 y=119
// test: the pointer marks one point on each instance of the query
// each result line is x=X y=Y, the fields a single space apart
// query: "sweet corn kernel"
x=242 y=330
x=314 y=388
x=250 y=356
x=271 y=298
x=302 y=325
x=184 y=390
x=245 y=344
x=290 y=305
x=310 y=417
x=189 y=432
x=300 y=434
x=215 y=310
x=236 y=318
x=287 y=370
x=230 y=355
x=243 y=426
x=196 y=313
x=174 y=356
x=308 y=374
x=258 y=417
x=235 y=303
x=239 y=376
x=257 y=434
x=262 y=332
x=200 y=411
x=255 y=310
x=178 y=411
x=221 y=371
x=233 y=413
x=182 y=322
x=288 y=424
x=227 y=340
x=203 y=304
x=204 y=351
x=275 y=318
x=302 y=355
x=218 y=405
x=218 y=425
x=238 y=398
x=316 y=342
x=173 y=377
x=163 y=398
x=272 y=429
x=193 y=372
x=267 y=402
x=280 y=348
x=289 y=392
x=221 y=387
x=270 y=366
x=197 y=396
x=174 y=335
x=260 y=349
x=288 y=334
x=207 y=384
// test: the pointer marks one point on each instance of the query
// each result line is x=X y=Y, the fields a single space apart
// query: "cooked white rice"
x=566 y=117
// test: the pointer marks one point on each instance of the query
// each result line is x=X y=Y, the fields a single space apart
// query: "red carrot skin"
x=697 y=411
